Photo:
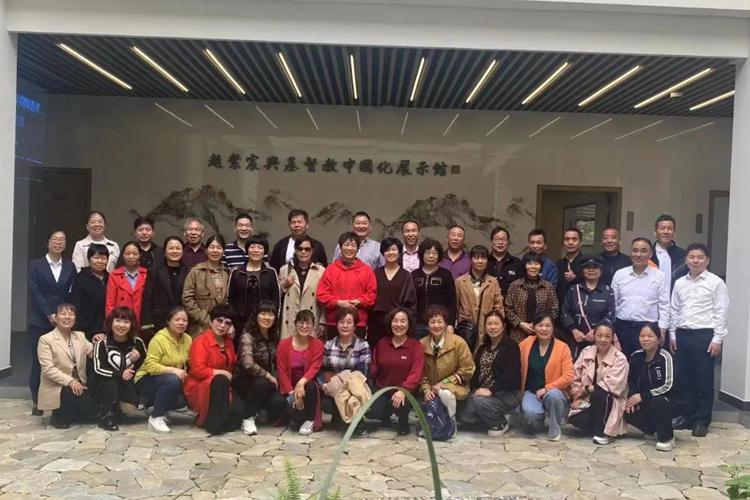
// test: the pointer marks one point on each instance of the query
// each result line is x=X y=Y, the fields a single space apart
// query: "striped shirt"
x=369 y=253
x=234 y=255
x=356 y=356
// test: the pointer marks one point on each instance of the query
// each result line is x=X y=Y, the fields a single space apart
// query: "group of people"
x=237 y=330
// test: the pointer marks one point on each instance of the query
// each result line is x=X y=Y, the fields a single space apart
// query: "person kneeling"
x=496 y=385
x=600 y=387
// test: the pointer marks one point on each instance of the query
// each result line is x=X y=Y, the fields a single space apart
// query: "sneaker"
x=556 y=438
x=306 y=428
x=158 y=424
x=248 y=426
x=700 y=430
x=665 y=446
x=499 y=430
x=602 y=440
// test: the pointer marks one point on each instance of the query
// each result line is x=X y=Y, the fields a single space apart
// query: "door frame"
x=544 y=188
x=712 y=195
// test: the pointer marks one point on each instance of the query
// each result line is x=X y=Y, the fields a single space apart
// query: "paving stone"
x=701 y=493
x=65 y=465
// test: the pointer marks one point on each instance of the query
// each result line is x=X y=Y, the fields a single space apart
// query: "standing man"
x=369 y=250
x=410 y=233
x=283 y=251
x=502 y=265
x=569 y=267
x=194 y=252
x=538 y=244
x=698 y=325
x=456 y=259
x=612 y=259
x=151 y=253
x=668 y=257
x=234 y=252
x=50 y=281
x=641 y=296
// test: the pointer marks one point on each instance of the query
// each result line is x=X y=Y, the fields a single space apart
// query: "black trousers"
x=110 y=392
x=74 y=408
x=222 y=416
x=654 y=415
x=594 y=418
x=257 y=394
x=34 y=334
x=382 y=409
x=298 y=417
x=696 y=374
x=628 y=333
x=376 y=328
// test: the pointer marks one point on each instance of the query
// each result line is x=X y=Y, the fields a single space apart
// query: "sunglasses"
x=224 y=321
x=305 y=249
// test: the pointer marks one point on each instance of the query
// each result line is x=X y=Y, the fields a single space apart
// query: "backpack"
x=442 y=427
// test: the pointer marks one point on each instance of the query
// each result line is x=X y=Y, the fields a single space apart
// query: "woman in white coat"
x=298 y=281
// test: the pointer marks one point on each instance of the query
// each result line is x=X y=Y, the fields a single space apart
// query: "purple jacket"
x=457 y=267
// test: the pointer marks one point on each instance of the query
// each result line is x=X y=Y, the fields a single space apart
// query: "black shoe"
x=60 y=425
x=107 y=424
x=700 y=430
x=36 y=412
x=403 y=428
x=681 y=423
x=386 y=423
x=360 y=431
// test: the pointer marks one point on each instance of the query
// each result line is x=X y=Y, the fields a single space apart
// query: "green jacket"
x=163 y=352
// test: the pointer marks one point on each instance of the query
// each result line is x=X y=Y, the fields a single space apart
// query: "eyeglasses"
x=224 y=321
x=304 y=249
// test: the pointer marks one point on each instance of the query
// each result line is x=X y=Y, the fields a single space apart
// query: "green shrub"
x=739 y=484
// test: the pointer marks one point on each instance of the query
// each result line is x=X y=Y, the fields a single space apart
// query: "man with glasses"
x=505 y=267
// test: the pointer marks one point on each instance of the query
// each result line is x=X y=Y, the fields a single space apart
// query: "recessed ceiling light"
x=633 y=132
x=480 y=83
x=450 y=124
x=676 y=86
x=353 y=73
x=499 y=124
x=546 y=83
x=685 y=132
x=709 y=102
x=266 y=117
x=312 y=118
x=224 y=71
x=173 y=115
x=217 y=115
x=289 y=75
x=166 y=74
x=582 y=132
x=614 y=83
x=403 y=125
x=417 y=79
x=545 y=126
x=94 y=66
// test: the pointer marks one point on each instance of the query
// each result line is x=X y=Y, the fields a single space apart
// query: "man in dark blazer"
x=50 y=281
x=283 y=251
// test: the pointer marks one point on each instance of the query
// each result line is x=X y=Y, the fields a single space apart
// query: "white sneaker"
x=555 y=438
x=602 y=440
x=158 y=424
x=306 y=428
x=665 y=446
x=248 y=426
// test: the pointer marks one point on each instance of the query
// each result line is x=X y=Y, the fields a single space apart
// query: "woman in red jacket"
x=298 y=361
x=348 y=282
x=207 y=386
x=127 y=284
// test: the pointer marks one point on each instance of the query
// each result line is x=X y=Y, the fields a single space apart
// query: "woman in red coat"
x=127 y=284
x=207 y=387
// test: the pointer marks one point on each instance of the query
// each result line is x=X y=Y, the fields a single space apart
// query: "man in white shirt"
x=698 y=325
x=668 y=257
x=410 y=233
x=641 y=296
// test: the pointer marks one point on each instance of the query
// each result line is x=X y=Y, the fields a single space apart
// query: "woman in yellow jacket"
x=159 y=379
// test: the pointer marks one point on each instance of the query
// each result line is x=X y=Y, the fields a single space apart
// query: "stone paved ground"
x=86 y=462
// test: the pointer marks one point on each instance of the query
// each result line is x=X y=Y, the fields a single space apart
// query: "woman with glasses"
x=299 y=280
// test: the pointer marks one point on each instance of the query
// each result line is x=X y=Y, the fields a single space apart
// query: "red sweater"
x=313 y=362
x=119 y=292
x=205 y=356
x=400 y=366
x=341 y=282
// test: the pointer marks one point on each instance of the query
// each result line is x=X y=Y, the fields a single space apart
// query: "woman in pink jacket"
x=600 y=388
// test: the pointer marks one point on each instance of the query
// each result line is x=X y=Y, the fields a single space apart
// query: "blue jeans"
x=163 y=391
x=555 y=403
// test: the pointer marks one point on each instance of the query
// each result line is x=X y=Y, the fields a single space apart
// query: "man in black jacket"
x=569 y=267
x=668 y=257
x=612 y=259
x=505 y=267
x=283 y=251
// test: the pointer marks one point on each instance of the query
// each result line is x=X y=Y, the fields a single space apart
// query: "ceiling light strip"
x=582 y=132
x=94 y=66
x=685 y=132
x=217 y=115
x=482 y=81
x=716 y=99
x=545 y=126
x=312 y=119
x=353 y=72
x=614 y=83
x=450 y=125
x=359 y=124
x=417 y=79
x=633 y=132
x=166 y=74
x=546 y=83
x=224 y=71
x=266 y=117
x=403 y=125
x=289 y=75
x=498 y=125
x=676 y=86
x=173 y=115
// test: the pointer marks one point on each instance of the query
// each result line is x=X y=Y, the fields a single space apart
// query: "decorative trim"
x=734 y=401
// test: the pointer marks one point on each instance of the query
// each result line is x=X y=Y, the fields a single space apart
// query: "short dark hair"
x=95 y=212
x=459 y=226
x=243 y=215
x=176 y=310
x=305 y=238
x=393 y=313
x=665 y=218
x=427 y=244
x=654 y=327
x=296 y=212
x=538 y=231
x=97 y=249
x=361 y=213
x=53 y=232
x=131 y=243
x=217 y=238
x=499 y=229
x=140 y=221
x=348 y=236
x=305 y=314
x=252 y=327
x=644 y=240
x=122 y=312
x=573 y=230
x=257 y=239
x=698 y=246
x=436 y=310
x=494 y=314
x=343 y=312
x=388 y=243
x=479 y=251
x=408 y=221
x=221 y=311
x=605 y=324
x=65 y=305
x=541 y=317
x=531 y=257
x=172 y=238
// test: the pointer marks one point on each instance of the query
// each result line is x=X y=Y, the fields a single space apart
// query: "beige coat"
x=57 y=365
x=453 y=367
x=470 y=309
x=296 y=300
x=200 y=295
x=350 y=392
